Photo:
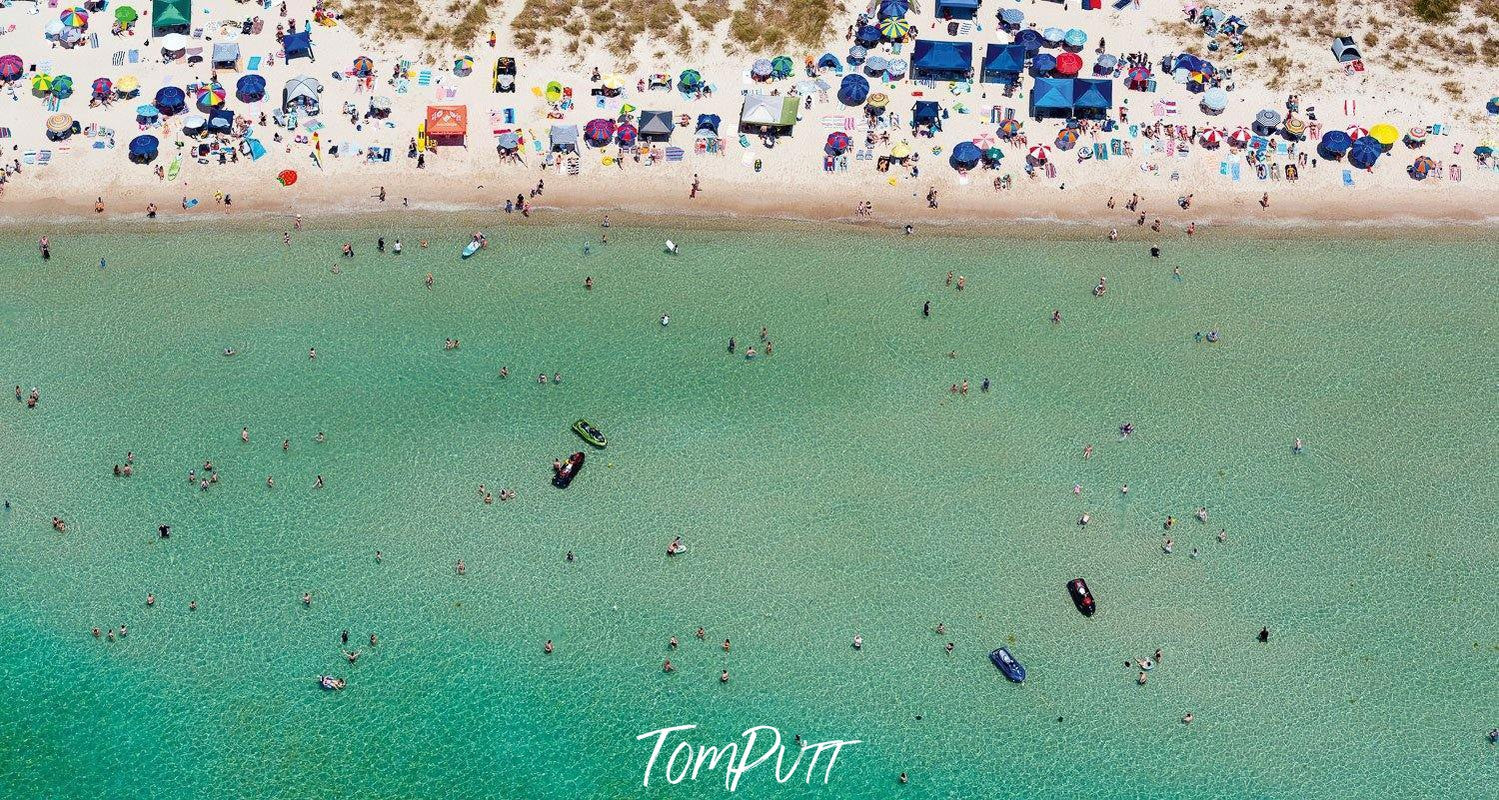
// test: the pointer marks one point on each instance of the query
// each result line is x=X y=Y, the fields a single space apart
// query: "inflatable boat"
x=330 y=683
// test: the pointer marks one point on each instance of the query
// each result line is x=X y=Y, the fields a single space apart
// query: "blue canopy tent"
x=220 y=119
x=1030 y=39
x=830 y=61
x=925 y=112
x=1051 y=97
x=1003 y=63
x=1363 y=155
x=143 y=149
x=171 y=100
x=707 y=125
x=941 y=60
x=298 y=45
x=853 y=90
x=1334 y=145
x=250 y=88
x=965 y=155
x=1043 y=64
x=1092 y=97
x=957 y=9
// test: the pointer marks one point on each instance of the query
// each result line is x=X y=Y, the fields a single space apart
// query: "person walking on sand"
x=695 y=184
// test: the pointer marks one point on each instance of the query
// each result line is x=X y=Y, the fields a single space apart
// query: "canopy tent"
x=448 y=123
x=302 y=91
x=564 y=138
x=143 y=148
x=250 y=88
x=297 y=45
x=774 y=112
x=656 y=125
x=226 y=55
x=1003 y=63
x=171 y=100
x=853 y=89
x=956 y=9
x=1051 y=97
x=707 y=125
x=925 y=112
x=1092 y=97
x=965 y=156
x=941 y=60
x=171 y=16
x=220 y=119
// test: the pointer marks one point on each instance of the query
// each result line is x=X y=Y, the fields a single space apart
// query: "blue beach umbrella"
x=62 y=87
x=143 y=148
x=1493 y=106
x=250 y=88
x=761 y=68
x=1334 y=144
x=853 y=90
x=146 y=114
x=1043 y=64
x=868 y=35
x=1030 y=39
x=171 y=100
x=1053 y=36
x=1075 y=37
x=1364 y=156
x=856 y=54
x=965 y=155
x=894 y=8
x=1011 y=16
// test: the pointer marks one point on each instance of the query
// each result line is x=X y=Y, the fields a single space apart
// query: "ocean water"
x=833 y=488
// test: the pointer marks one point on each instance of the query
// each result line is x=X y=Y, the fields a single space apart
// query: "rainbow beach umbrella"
x=364 y=65
x=1009 y=127
x=1066 y=140
x=210 y=95
x=75 y=18
x=463 y=65
x=1423 y=167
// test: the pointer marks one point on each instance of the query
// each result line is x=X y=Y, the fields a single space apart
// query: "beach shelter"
x=564 y=138
x=925 y=112
x=781 y=67
x=226 y=55
x=102 y=87
x=1334 y=145
x=829 y=61
x=1385 y=133
x=302 y=92
x=1051 y=97
x=1067 y=138
x=626 y=135
x=195 y=124
x=1364 y=156
x=656 y=126
x=707 y=125
x=965 y=156
x=1008 y=128
x=1214 y=100
x=364 y=66
x=689 y=79
x=853 y=89
x=143 y=148
x=939 y=60
x=220 y=119
x=1344 y=49
x=956 y=9
x=1003 y=63
x=463 y=65
x=895 y=28
x=1030 y=39
x=447 y=124
x=171 y=100
x=598 y=132
x=297 y=45
x=11 y=67
x=171 y=16
x=126 y=16
x=837 y=143
x=554 y=92
x=59 y=126
x=1069 y=64
x=209 y=95
x=767 y=111
x=250 y=88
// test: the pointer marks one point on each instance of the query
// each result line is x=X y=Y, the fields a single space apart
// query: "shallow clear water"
x=833 y=488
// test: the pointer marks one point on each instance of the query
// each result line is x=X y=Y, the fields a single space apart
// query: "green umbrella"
x=691 y=77
x=126 y=15
x=781 y=66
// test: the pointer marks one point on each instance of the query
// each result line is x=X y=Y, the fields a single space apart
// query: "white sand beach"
x=1164 y=146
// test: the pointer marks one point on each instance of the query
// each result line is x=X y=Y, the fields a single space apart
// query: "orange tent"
x=447 y=121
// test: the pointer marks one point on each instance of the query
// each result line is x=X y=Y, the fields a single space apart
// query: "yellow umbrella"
x=613 y=81
x=128 y=83
x=1385 y=133
x=41 y=83
x=900 y=150
x=57 y=123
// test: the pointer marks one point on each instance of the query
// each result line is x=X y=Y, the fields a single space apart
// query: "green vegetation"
x=1435 y=10
x=765 y=25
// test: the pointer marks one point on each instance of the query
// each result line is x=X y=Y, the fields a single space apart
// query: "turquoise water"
x=833 y=488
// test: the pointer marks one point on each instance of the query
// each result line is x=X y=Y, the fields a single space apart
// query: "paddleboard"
x=473 y=247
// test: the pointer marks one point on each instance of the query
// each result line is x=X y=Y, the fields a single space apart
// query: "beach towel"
x=1120 y=5
x=174 y=168
x=1236 y=171
x=674 y=154
x=1347 y=177
x=1051 y=170
x=118 y=59
x=93 y=40
x=135 y=56
x=253 y=64
x=4 y=133
x=1170 y=147
x=424 y=78
x=1116 y=147
x=28 y=157
x=1222 y=167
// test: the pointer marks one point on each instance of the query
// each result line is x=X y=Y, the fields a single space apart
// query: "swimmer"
x=948 y=647
x=318 y=484
x=941 y=628
x=1202 y=514
x=667 y=667
x=1187 y=720
x=460 y=567
x=1169 y=546
x=320 y=437
x=244 y=435
x=701 y=633
x=428 y=280
x=672 y=643
x=1077 y=490
x=1113 y=234
x=665 y=320
x=1296 y=448
x=312 y=352
x=1084 y=519
x=723 y=677
x=285 y=445
x=1087 y=452
x=1142 y=679
x=504 y=372
x=858 y=642
x=570 y=558
x=379 y=557
x=547 y=648
x=270 y=482
x=352 y=657
x=1124 y=489
x=726 y=645
x=150 y=599
x=1176 y=273
x=307 y=599
x=1222 y=535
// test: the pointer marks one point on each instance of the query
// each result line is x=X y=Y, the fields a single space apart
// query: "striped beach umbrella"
x=1422 y=168
x=1139 y=76
x=364 y=65
x=210 y=95
x=878 y=100
x=1011 y=16
x=463 y=65
x=782 y=67
x=75 y=18
x=102 y=87
x=1039 y=154
x=1355 y=132
x=895 y=28
x=1212 y=137
x=1075 y=37
x=41 y=83
x=598 y=131
x=761 y=68
x=11 y=67
x=1240 y=137
x=1066 y=140
x=1416 y=134
x=1009 y=127
x=58 y=123
x=626 y=134
x=985 y=141
x=1053 y=36
x=837 y=143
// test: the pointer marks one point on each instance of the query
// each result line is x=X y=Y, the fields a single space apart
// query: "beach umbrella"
x=856 y=54
x=1043 y=63
x=508 y=140
x=173 y=42
x=1493 y=106
x=1030 y=39
x=965 y=155
x=1053 y=36
x=146 y=113
x=837 y=143
x=210 y=95
x=1240 y=137
x=879 y=100
x=1214 y=100
x=1483 y=151
x=286 y=177
x=868 y=35
x=853 y=90
x=1294 y=127
x=1038 y=153
x=11 y=67
x=993 y=155
x=902 y=149
x=1415 y=136
x=1334 y=144
x=894 y=8
x=1066 y=139
x=127 y=85
x=985 y=141
x=1422 y=168
x=364 y=65
x=62 y=87
x=613 y=82
x=553 y=92
x=1105 y=64
x=875 y=66
x=126 y=15
x=170 y=99
x=761 y=68
x=1355 y=132
x=70 y=35
x=53 y=28
x=1069 y=64
x=1212 y=137
x=782 y=66
x=75 y=18
x=102 y=87
x=59 y=123
x=598 y=131
x=626 y=134
x=143 y=148
x=250 y=88
x=1385 y=133
x=1267 y=119
x=1011 y=16
x=1009 y=127
x=194 y=122
x=1075 y=37
x=1139 y=76
x=690 y=78
x=41 y=83
x=896 y=67
x=895 y=28
x=463 y=65
x=1362 y=156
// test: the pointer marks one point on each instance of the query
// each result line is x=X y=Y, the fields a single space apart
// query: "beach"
x=833 y=488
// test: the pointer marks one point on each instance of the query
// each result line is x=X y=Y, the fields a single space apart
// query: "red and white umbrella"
x=1355 y=132
x=1240 y=136
x=1212 y=136
x=1040 y=152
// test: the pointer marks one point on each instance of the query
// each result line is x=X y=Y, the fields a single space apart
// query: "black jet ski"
x=569 y=469
x=1081 y=596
